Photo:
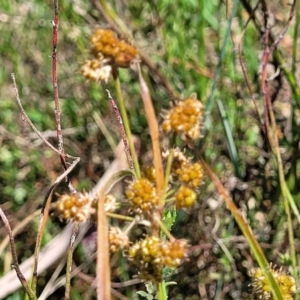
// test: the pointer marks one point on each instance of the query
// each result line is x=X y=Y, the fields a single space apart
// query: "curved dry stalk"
x=15 y=265
x=18 y=228
x=26 y=118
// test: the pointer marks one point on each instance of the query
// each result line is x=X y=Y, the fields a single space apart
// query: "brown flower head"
x=75 y=207
x=185 y=119
x=152 y=255
x=142 y=195
x=109 y=54
x=117 y=239
x=190 y=174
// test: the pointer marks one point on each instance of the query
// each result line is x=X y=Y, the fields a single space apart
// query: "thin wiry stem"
x=15 y=265
x=26 y=118
x=57 y=111
x=273 y=138
x=69 y=260
x=295 y=38
x=127 y=128
x=121 y=127
x=54 y=80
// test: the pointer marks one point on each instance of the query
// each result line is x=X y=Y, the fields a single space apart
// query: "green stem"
x=162 y=292
x=210 y=102
x=165 y=230
x=127 y=128
x=168 y=169
x=119 y=217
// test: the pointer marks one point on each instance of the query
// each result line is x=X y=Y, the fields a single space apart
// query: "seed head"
x=75 y=207
x=151 y=255
x=185 y=197
x=104 y=41
x=261 y=288
x=117 y=239
x=190 y=174
x=142 y=195
x=185 y=119
x=109 y=53
x=96 y=70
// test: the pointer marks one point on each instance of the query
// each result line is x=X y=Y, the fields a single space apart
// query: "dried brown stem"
x=15 y=265
x=249 y=85
x=54 y=82
x=103 y=268
x=281 y=35
x=26 y=118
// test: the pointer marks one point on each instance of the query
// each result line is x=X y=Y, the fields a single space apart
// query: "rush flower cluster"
x=82 y=207
x=185 y=119
x=153 y=254
x=109 y=53
x=262 y=290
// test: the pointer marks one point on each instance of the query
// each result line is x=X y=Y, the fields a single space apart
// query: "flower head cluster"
x=189 y=175
x=109 y=53
x=75 y=207
x=185 y=119
x=81 y=207
x=152 y=254
x=117 y=239
x=185 y=197
x=261 y=288
x=142 y=196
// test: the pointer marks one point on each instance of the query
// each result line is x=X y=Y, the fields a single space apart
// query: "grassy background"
x=185 y=39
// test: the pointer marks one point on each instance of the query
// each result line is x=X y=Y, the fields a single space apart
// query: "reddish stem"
x=55 y=87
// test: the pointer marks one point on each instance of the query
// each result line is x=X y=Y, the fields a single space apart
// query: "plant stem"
x=162 y=293
x=15 y=265
x=127 y=128
x=103 y=267
x=70 y=260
